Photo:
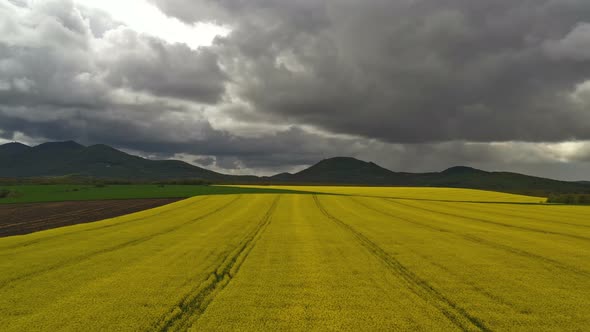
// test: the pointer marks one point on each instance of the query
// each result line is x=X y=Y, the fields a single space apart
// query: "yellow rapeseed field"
x=339 y=258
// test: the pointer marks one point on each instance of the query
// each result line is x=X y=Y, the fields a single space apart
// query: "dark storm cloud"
x=575 y=46
x=149 y=64
x=172 y=135
x=547 y=160
x=411 y=71
x=410 y=84
x=63 y=77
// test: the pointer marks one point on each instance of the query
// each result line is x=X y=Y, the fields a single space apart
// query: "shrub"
x=4 y=193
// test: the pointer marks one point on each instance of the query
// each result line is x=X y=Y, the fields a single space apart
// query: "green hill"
x=101 y=161
x=344 y=170
x=57 y=159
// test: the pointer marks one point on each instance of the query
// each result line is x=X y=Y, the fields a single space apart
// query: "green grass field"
x=368 y=259
x=57 y=193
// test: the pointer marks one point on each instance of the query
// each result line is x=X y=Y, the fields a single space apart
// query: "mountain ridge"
x=69 y=158
x=99 y=160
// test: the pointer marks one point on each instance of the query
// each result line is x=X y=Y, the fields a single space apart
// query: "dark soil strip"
x=109 y=225
x=456 y=314
x=136 y=241
x=19 y=219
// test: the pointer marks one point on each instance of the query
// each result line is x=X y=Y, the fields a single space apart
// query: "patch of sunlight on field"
x=449 y=194
x=364 y=261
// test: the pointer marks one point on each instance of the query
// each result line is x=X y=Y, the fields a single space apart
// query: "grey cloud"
x=582 y=155
x=304 y=14
x=284 y=150
x=203 y=11
x=65 y=14
x=169 y=136
x=20 y=3
x=99 y=21
x=48 y=48
x=410 y=84
x=204 y=161
x=409 y=71
x=149 y=64
x=53 y=48
x=574 y=46
x=539 y=159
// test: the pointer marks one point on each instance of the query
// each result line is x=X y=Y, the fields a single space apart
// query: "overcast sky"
x=265 y=86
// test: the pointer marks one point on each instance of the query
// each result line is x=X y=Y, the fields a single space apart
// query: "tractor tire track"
x=494 y=297
x=78 y=259
x=491 y=222
x=508 y=214
x=488 y=243
x=192 y=306
x=456 y=314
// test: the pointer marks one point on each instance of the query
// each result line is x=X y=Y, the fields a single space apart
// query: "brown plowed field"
x=17 y=219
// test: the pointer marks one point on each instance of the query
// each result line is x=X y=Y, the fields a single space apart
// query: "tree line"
x=573 y=199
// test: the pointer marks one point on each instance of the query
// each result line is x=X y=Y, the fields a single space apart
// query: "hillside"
x=340 y=170
x=465 y=177
x=343 y=170
x=102 y=161
x=71 y=158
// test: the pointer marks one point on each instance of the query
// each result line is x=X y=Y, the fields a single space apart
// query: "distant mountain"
x=101 y=161
x=9 y=151
x=344 y=170
x=498 y=181
x=12 y=148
